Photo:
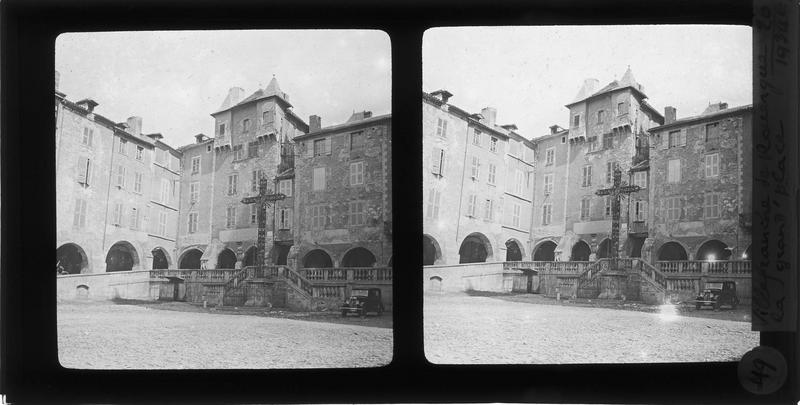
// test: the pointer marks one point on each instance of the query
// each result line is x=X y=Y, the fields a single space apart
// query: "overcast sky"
x=174 y=80
x=530 y=73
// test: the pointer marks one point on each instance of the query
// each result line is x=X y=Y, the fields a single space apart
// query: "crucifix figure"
x=616 y=192
x=263 y=200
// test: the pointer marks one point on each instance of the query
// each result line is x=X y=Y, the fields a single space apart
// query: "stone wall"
x=104 y=286
x=451 y=277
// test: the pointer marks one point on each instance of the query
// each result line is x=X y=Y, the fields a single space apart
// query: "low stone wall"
x=103 y=286
x=461 y=277
x=686 y=287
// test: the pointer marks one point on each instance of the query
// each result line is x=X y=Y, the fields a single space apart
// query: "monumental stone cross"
x=263 y=200
x=616 y=192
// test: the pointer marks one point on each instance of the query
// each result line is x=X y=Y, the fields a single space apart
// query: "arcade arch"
x=122 y=256
x=713 y=250
x=475 y=248
x=358 y=257
x=226 y=259
x=72 y=258
x=431 y=252
x=513 y=251
x=190 y=259
x=317 y=258
x=672 y=251
x=580 y=252
x=160 y=259
x=545 y=252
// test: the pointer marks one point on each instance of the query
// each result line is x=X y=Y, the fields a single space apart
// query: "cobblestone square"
x=462 y=329
x=103 y=335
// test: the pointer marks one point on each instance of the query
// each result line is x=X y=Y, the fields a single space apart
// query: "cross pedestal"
x=263 y=200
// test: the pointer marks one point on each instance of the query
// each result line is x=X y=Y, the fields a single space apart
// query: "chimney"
x=155 y=136
x=58 y=79
x=314 y=123
x=443 y=95
x=723 y=106
x=87 y=104
x=135 y=125
x=669 y=115
x=554 y=129
x=200 y=138
x=490 y=113
x=367 y=114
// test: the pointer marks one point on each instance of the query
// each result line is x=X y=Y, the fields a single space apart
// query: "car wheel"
x=716 y=306
x=344 y=314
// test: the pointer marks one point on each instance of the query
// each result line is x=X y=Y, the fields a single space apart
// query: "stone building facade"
x=116 y=190
x=701 y=176
x=343 y=194
x=477 y=185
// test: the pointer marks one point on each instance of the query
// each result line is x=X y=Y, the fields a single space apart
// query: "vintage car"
x=717 y=294
x=363 y=301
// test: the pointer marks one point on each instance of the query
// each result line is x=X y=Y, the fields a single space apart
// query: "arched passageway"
x=72 y=258
x=604 y=250
x=250 y=257
x=474 y=249
x=634 y=246
x=226 y=259
x=513 y=251
x=580 y=252
x=121 y=256
x=358 y=257
x=280 y=254
x=672 y=251
x=160 y=260
x=317 y=258
x=190 y=259
x=431 y=253
x=713 y=250
x=545 y=252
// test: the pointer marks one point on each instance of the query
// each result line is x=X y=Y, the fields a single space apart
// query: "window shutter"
x=683 y=137
x=436 y=161
x=327 y=146
x=683 y=208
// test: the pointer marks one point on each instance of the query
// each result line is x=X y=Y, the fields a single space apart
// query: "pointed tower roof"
x=589 y=89
x=628 y=80
x=273 y=89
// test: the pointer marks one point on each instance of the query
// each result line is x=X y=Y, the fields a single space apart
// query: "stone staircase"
x=589 y=281
x=288 y=288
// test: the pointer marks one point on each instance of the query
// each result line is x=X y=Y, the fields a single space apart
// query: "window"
x=233 y=181
x=194 y=192
x=192 y=222
x=208 y=148
x=357 y=141
x=608 y=141
x=674 y=171
x=476 y=162
x=137 y=182
x=519 y=183
x=79 y=220
x=252 y=149
x=255 y=180
x=513 y=148
x=245 y=125
x=433 y=204
x=548 y=184
x=230 y=217
x=134 y=224
x=515 y=214
x=319 y=178
x=488 y=214
x=622 y=108
x=610 y=168
x=322 y=147
x=266 y=117
x=164 y=196
x=676 y=138
x=493 y=144
x=674 y=205
x=607 y=206
x=285 y=187
x=319 y=216
x=84 y=170
x=600 y=116
x=712 y=165
x=139 y=153
x=472 y=205
x=476 y=138
x=586 y=179
x=640 y=210
x=441 y=128
x=640 y=179
x=549 y=156
x=563 y=139
x=437 y=161
x=121 y=176
x=712 y=132
x=88 y=134
x=123 y=146
x=160 y=156
x=356 y=173
x=547 y=214
x=585 y=205
x=238 y=152
x=576 y=120
x=285 y=218
x=356 y=212
x=492 y=173
x=116 y=219
x=591 y=144
x=221 y=130
x=711 y=205
x=162 y=223
x=254 y=213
